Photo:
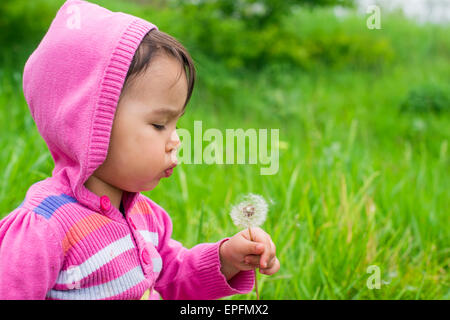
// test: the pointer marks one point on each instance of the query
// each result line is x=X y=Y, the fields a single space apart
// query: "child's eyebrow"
x=171 y=112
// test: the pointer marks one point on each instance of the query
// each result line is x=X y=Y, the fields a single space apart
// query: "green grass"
x=359 y=182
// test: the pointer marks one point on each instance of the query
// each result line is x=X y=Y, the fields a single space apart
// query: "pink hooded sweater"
x=64 y=241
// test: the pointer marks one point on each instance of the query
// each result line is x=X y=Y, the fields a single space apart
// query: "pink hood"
x=72 y=83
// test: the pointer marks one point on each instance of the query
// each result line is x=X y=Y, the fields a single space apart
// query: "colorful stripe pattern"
x=50 y=204
x=103 y=258
x=82 y=228
x=106 y=290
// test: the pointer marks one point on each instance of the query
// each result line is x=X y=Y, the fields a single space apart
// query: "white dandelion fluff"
x=250 y=212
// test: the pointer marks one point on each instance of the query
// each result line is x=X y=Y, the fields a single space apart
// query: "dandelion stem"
x=254 y=270
x=250 y=232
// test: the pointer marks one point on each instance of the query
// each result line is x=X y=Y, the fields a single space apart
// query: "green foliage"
x=427 y=98
x=24 y=23
x=359 y=183
x=305 y=38
x=257 y=14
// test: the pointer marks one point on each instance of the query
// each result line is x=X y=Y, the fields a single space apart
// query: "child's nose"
x=173 y=157
x=174 y=143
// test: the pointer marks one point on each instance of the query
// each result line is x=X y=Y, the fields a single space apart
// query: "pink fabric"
x=65 y=242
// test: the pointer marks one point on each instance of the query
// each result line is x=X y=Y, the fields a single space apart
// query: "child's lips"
x=168 y=172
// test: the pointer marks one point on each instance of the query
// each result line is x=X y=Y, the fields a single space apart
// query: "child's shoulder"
x=33 y=221
x=48 y=205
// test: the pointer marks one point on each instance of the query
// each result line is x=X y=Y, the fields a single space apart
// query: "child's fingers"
x=258 y=234
x=271 y=270
x=256 y=261
x=261 y=246
x=252 y=260
x=262 y=237
x=268 y=255
x=250 y=247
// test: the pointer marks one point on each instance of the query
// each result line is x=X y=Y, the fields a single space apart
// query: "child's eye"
x=158 y=127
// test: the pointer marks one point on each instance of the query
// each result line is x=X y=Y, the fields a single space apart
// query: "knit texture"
x=64 y=241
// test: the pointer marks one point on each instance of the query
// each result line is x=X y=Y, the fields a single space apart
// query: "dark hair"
x=154 y=42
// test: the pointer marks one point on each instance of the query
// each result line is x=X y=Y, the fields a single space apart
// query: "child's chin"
x=152 y=185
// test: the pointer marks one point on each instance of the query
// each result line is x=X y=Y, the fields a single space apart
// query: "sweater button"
x=105 y=204
x=146 y=256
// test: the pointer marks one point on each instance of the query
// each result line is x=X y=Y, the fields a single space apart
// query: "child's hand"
x=239 y=253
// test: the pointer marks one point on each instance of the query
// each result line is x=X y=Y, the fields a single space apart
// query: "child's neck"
x=100 y=188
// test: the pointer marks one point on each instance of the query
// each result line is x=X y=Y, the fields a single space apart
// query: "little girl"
x=106 y=90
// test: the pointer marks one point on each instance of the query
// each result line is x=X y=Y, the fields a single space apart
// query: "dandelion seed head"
x=250 y=212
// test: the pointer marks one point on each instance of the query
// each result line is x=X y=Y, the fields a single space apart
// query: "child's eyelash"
x=158 y=127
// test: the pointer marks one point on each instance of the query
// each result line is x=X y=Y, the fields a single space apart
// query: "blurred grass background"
x=364 y=127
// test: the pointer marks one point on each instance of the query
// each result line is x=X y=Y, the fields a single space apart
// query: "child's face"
x=139 y=152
